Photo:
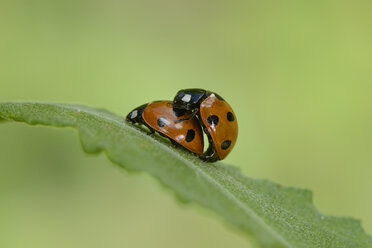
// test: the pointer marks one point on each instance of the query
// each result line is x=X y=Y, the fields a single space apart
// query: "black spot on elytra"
x=179 y=112
x=190 y=135
x=213 y=120
x=226 y=144
x=162 y=121
x=230 y=116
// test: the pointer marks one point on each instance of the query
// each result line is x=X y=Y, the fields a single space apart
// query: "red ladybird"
x=161 y=117
x=215 y=115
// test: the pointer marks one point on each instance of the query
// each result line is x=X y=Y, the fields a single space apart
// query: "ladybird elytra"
x=223 y=128
x=160 y=116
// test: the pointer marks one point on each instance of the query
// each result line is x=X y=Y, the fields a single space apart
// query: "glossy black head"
x=135 y=116
x=189 y=99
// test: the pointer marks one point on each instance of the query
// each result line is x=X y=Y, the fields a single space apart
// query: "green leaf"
x=274 y=215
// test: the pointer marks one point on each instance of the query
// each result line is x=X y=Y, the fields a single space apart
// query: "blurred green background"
x=297 y=73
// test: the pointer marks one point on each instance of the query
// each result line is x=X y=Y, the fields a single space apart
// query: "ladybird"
x=160 y=116
x=216 y=116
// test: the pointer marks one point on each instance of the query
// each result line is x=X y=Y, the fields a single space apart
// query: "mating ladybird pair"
x=184 y=120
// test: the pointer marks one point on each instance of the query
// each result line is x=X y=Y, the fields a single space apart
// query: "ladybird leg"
x=210 y=155
x=152 y=131
x=192 y=115
x=174 y=143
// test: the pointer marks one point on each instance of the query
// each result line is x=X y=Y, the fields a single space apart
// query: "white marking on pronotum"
x=186 y=98
x=133 y=114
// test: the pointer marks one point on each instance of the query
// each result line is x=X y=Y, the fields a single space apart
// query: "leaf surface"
x=273 y=215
